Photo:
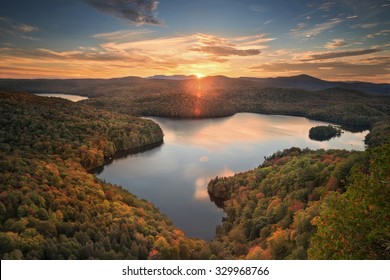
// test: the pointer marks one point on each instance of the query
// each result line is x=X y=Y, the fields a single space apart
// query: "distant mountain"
x=172 y=77
x=99 y=87
x=311 y=83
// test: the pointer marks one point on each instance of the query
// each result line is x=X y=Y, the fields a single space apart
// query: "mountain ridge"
x=303 y=81
x=308 y=82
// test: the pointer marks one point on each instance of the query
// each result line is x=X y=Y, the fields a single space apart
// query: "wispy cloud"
x=222 y=47
x=335 y=43
x=225 y=51
x=380 y=33
x=327 y=6
x=302 y=31
x=339 y=54
x=254 y=40
x=15 y=28
x=15 y=25
x=137 y=12
x=300 y=26
x=83 y=54
x=121 y=35
x=365 y=25
x=83 y=62
x=375 y=70
x=119 y=54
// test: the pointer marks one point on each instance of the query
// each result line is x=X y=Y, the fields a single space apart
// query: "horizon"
x=194 y=76
x=88 y=39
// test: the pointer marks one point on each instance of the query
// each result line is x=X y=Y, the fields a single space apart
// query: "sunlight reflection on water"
x=175 y=175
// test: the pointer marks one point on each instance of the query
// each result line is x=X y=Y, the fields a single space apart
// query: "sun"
x=199 y=75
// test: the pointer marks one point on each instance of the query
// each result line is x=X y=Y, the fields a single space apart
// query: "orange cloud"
x=124 y=53
x=338 y=54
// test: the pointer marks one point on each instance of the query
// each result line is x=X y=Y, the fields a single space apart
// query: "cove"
x=174 y=176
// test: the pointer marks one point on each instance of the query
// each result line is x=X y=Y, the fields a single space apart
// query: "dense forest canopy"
x=303 y=204
x=290 y=207
x=218 y=96
x=322 y=132
x=52 y=208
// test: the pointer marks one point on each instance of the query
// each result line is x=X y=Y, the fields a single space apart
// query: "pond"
x=70 y=97
x=174 y=176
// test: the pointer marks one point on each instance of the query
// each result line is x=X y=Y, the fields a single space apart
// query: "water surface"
x=175 y=175
x=70 y=97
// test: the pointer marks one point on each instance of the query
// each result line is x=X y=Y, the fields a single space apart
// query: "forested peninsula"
x=298 y=204
x=218 y=96
x=51 y=207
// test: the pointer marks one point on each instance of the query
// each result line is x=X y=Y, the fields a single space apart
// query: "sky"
x=344 y=40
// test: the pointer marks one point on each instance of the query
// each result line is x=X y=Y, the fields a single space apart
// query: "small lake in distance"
x=70 y=97
x=174 y=176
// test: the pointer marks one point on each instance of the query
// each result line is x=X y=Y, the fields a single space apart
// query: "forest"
x=324 y=132
x=298 y=204
x=217 y=96
x=302 y=204
x=51 y=207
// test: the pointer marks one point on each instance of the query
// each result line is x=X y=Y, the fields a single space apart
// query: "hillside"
x=52 y=208
x=311 y=83
x=97 y=87
x=216 y=97
x=307 y=204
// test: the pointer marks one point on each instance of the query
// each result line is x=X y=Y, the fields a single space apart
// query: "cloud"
x=335 y=43
x=252 y=40
x=142 y=57
x=136 y=52
x=326 y=7
x=331 y=55
x=377 y=60
x=85 y=62
x=302 y=31
x=211 y=40
x=376 y=69
x=225 y=51
x=137 y=12
x=365 y=25
x=221 y=47
x=300 y=26
x=380 y=33
x=82 y=54
x=16 y=28
x=121 y=35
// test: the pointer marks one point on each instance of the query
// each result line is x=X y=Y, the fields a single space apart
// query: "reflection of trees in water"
x=217 y=201
x=151 y=148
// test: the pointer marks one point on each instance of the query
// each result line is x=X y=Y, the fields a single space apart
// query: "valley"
x=53 y=208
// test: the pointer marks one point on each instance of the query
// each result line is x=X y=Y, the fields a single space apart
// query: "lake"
x=70 y=97
x=174 y=176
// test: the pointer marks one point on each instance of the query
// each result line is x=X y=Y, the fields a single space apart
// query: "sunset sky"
x=333 y=40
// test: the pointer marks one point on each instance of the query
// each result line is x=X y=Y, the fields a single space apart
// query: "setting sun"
x=199 y=75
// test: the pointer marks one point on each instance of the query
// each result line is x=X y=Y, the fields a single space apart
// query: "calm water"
x=70 y=97
x=174 y=176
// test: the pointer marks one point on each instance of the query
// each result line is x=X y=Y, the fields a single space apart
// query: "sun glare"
x=199 y=75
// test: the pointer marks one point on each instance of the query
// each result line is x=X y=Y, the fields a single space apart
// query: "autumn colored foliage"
x=52 y=208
